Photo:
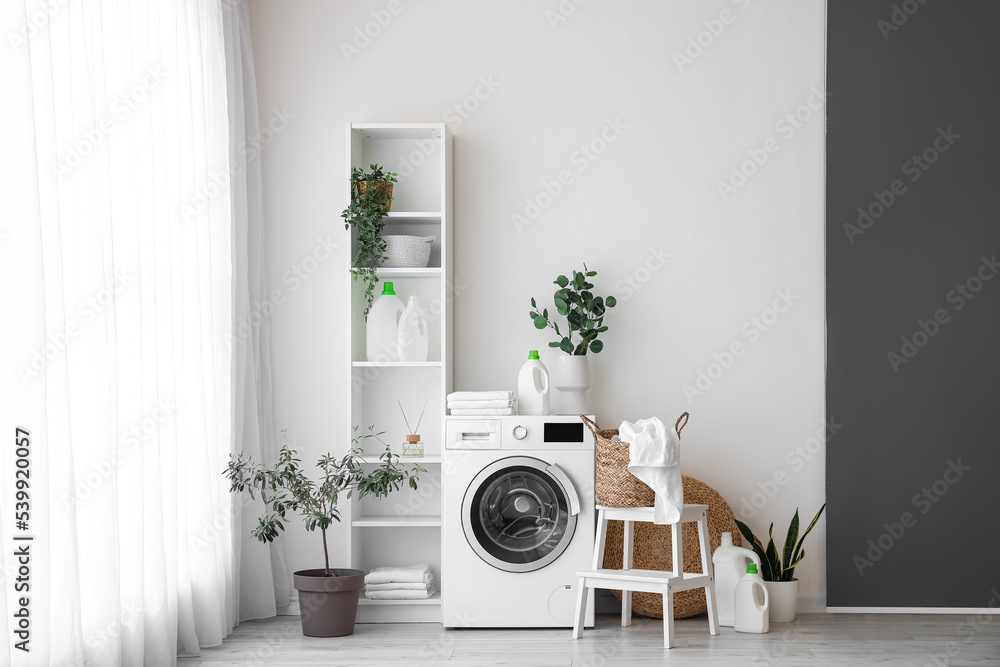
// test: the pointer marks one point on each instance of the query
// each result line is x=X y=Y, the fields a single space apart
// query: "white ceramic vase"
x=572 y=379
x=783 y=600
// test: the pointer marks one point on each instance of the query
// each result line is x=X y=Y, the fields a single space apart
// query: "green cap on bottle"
x=752 y=568
x=387 y=289
x=532 y=354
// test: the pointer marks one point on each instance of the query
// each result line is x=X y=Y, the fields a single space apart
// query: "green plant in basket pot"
x=371 y=198
x=584 y=312
x=328 y=597
x=778 y=569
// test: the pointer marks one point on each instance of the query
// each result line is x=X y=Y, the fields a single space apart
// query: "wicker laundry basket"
x=614 y=485
x=652 y=550
x=407 y=252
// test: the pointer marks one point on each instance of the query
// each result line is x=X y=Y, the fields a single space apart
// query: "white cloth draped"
x=129 y=251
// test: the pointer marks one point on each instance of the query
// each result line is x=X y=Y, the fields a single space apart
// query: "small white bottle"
x=413 y=330
x=751 y=603
x=533 y=387
x=729 y=564
x=382 y=331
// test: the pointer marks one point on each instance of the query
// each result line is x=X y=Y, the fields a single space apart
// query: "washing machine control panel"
x=519 y=432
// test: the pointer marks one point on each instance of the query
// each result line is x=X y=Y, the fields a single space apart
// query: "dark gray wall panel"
x=894 y=93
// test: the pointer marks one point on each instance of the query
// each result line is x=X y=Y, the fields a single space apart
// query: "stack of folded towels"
x=400 y=583
x=482 y=403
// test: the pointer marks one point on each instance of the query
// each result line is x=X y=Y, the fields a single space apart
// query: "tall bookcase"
x=405 y=527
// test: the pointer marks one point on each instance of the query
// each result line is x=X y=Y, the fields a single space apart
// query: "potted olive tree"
x=584 y=313
x=778 y=569
x=328 y=597
x=371 y=198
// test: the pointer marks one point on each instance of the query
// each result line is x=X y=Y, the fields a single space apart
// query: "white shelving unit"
x=405 y=527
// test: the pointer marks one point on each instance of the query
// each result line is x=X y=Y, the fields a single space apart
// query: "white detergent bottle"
x=382 y=339
x=751 y=603
x=533 y=387
x=413 y=329
x=729 y=563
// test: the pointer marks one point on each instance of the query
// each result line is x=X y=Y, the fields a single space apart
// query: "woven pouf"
x=652 y=550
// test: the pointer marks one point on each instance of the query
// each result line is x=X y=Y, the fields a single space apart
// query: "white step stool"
x=649 y=581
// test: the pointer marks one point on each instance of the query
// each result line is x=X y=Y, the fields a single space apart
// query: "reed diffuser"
x=412 y=446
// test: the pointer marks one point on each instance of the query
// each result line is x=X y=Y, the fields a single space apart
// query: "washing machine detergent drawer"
x=473 y=434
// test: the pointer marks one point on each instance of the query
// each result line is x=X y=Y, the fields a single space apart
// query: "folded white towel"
x=655 y=458
x=400 y=594
x=487 y=403
x=480 y=395
x=415 y=574
x=483 y=411
x=398 y=586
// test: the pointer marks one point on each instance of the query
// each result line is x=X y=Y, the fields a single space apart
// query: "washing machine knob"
x=519 y=432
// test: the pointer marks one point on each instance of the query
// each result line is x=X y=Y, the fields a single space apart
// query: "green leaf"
x=610 y=302
x=566 y=346
x=554 y=344
x=562 y=307
x=753 y=541
x=793 y=535
x=596 y=346
x=591 y=274
x=812 y=523
x=533 y=305
x=541 y=323
x=562 y=281
x=533 y=314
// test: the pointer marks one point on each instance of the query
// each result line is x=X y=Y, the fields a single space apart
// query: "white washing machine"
x=518 y=520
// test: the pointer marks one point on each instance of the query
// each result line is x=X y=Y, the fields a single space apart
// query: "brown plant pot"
x=329 y=605
x=384 y=190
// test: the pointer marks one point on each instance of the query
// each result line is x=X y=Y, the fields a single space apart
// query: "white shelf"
x=428 y=216
x=415 y=521
x=375 y=458
x=396 y=364
x=434 y=599
x=429 y=272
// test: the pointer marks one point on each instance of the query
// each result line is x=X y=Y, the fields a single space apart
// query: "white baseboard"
x=912 y=610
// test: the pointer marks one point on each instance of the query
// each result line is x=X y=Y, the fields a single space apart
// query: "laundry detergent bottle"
x=730 y=564
x=751 y=603
x=413 y=328
x=533 y=387
x=382 y=339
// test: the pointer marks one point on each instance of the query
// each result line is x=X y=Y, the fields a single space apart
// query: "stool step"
x=608 y=578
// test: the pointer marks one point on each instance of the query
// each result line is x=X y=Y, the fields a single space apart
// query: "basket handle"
x=678 y=426
x=591 y=424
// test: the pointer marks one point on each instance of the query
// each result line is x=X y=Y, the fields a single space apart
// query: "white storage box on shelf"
x=407 y=252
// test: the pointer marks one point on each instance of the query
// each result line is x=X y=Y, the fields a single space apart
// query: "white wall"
x=654 y=187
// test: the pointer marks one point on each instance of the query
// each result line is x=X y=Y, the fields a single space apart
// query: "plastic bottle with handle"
x=382 y=331
x=533 y=387
x=751 y=603
x=729 y=564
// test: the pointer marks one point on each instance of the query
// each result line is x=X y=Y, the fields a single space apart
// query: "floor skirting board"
x=913 y=610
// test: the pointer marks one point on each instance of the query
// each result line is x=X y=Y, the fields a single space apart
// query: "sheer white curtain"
x=129 y=253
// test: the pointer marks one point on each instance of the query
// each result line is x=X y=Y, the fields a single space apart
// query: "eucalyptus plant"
x=583 y=311
x=776 y=567
x=285 y=487
x=365 y=213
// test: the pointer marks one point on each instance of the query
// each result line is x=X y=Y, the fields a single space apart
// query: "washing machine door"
x=519 y=513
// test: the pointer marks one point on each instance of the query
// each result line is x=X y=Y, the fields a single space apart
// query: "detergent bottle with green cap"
x=382 y=339
x=729 y=563
x=751 y=602
x=533 y=387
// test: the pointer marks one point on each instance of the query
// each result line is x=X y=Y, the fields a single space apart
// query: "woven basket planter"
x=407 y=252
x=653 y=551
x=384 y=190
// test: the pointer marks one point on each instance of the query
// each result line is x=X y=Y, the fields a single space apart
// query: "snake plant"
x=775 y=567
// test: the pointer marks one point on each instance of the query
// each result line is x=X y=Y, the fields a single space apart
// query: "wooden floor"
x=812 y=639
